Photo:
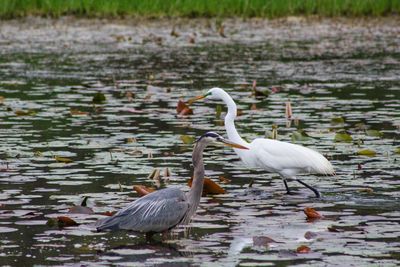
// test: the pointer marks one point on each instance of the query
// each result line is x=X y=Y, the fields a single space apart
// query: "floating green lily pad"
x=366 y=152
x=187 y=139
x=374 y=133
x=337 y=120
x=343 y=137
x=99 y=98
x=300 y=135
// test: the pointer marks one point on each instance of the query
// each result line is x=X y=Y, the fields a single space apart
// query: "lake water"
x=340 y=75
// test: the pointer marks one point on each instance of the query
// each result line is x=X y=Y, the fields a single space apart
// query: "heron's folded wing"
x=156 y=212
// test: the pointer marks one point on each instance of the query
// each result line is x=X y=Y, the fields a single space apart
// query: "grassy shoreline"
x=10 y=9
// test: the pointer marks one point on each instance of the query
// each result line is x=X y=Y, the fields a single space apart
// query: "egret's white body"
x=286 y=159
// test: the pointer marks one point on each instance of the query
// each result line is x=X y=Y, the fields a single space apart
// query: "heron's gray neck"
x=198 y=176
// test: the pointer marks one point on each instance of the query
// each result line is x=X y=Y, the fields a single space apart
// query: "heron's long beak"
x=194 y=99
x=227 y=142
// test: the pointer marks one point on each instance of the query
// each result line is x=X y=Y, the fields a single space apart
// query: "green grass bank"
x=198 y=8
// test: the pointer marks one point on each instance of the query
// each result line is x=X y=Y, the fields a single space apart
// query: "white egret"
x=164 y=209
x=286 y=159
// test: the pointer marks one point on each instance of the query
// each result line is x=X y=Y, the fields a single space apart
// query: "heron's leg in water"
x=310 y=187
x=287 y=187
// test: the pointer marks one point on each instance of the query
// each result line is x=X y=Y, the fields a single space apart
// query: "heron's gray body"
x=156 y=212
x=163 y=209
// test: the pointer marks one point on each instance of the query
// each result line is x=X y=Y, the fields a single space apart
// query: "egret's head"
x=212 y=137
x=214 y=94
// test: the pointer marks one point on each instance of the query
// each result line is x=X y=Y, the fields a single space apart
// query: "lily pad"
x=366 y=152
x=343 y=137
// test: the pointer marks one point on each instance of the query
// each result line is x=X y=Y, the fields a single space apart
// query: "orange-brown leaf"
x=181 y=106
x=312 y=214
x=77 y=112
x=143 y=190
x=303 y=249
x=209 y=187
x=108 y=213
x=224 y=180
x=64 y=221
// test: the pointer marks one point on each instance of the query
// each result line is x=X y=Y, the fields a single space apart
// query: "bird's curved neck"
x=195 y=192
x=230 y=117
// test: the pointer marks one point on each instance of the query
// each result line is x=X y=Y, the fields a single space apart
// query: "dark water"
x=343 y=71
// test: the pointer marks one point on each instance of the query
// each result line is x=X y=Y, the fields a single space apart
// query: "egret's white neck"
x=233 y=135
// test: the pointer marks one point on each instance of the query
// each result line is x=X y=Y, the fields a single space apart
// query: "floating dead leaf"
x=312 y=214
x=108 y=213
x=76 y=112
x=239 y=112
x=253 y=106
x=187 y=139
x=263 y=241
x=366 y=190
x=273 y=134
x=343 y=137
x=300 y=136
x=64 y=221
x=191 y=40
x=374 y=133
x=397 y=150
x=209 y=187
x=310 y=235
x=174 y=33
x=167 y=172
x=1 y=99
x=303 y=249
x=183 y=109
x=262 y=92
x=99 y=98
x=366 y=152
x=25 y=112
x=62 y=159
x=224 y=180
x=129 y=95
x=154 y=175
x=130 y=140
x=142 y=190
x=288 y=110
x=221 y=31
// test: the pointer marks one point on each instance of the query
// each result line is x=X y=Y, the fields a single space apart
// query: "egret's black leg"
x=287 y=187
x=310 y=187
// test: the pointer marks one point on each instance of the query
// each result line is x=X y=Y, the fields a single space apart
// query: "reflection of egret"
x=164 y=209
x=271 y=155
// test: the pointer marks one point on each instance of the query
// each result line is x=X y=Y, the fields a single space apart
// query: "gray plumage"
x=164 y=209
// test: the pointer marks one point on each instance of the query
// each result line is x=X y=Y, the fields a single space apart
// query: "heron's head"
x=212 y=137
x=213 y=94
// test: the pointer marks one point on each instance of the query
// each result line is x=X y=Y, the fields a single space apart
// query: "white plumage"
x=274 y=156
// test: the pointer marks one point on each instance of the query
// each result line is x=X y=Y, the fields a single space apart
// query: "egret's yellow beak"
x=194 y=99
x=227 y=142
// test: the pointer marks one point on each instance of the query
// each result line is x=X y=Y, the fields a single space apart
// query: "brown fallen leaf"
x=224 y=180
x=366 y=190
x=64 y=221
x=209 y=187
x=129 y=95
x=108 y=213
x=143 y=190
x=76 y=112
x=174 y=33
x=288 y=110
x=25 y=112
x=312 y=214
x=183 y=109
x=303 y=249
x=221 y=31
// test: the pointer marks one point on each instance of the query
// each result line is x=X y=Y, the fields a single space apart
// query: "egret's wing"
x=287 y=158
x=156 y=212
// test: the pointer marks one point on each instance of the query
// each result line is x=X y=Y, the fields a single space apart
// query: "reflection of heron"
x=271 y=155
x=164 y=209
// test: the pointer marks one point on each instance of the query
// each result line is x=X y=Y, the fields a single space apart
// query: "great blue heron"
x=164 y=209
x=274 y=156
